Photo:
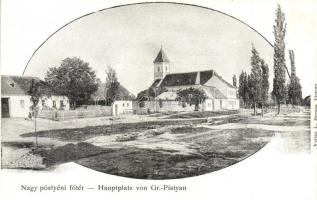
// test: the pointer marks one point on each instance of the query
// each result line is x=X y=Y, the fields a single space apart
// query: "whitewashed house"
x=16 y=99
x=122 y=103
x=121 y=107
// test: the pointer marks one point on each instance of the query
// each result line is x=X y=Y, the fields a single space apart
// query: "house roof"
x=161 y=57
x=190 y=78
x=20 y=85
x=122 y=94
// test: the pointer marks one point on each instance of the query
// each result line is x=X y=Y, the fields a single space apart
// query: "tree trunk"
x=254 y=109
x=36 y=135
x=278 y=107
x=262 y=111
x=196 y=107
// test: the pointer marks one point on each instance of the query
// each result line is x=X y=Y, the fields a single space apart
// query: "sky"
x=128 y=38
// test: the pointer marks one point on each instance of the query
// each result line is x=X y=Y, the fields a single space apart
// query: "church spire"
x=161 y=57
x=161 y=65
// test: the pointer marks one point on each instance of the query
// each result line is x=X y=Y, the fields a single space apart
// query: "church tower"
x=161 y=65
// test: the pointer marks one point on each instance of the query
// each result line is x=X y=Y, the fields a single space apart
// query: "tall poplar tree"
x=294 y=87
x=279 y=88
x=234 y=80
x=243 y=89
x=255 y=81
x=265 y=84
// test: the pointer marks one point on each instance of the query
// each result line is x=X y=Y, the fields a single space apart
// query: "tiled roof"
x=190 y=78
x=20 y=85
x=161 y=57
x=179 y=79
x=122 y=94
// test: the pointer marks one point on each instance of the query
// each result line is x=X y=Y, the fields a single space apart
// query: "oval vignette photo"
x=154 y=91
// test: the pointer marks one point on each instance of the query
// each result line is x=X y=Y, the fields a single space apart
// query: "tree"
x=243 y=89
x=35 y=93
x=279 y=88
x=234 y=80
x=145 y=95
x=265 y=84
x=255 y=81
x=192 y=96
x=150 y=93
x=112 y=85
x=294 y=88
x=74 y=78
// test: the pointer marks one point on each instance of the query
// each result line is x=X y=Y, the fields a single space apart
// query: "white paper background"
x=268 y=174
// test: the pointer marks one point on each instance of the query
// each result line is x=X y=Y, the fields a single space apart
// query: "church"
x=221 y=95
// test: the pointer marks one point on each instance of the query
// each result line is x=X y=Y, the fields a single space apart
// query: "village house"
x=16 y=99
x=221 y=95
x=122 y=102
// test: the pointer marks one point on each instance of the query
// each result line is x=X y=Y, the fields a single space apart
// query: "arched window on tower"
x=158 y=69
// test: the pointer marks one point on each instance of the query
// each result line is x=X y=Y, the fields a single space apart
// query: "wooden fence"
x=61 y=115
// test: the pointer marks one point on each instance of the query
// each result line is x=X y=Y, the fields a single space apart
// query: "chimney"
x=197 y=82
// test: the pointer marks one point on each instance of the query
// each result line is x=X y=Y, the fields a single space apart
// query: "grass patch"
x=67 y=153
x=18 y=145
x=127 y=137
x=212 y=152
x=81 y=134
x=277 y=121
x=188 y=129
x=201 y=114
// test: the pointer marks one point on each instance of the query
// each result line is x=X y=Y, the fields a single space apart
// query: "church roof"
x=190 y=78
x=179 y=79
x=161 y=57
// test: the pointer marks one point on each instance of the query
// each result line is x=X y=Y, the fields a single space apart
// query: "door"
x=5 y=112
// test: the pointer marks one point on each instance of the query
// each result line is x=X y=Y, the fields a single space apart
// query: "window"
x=128 y=104
x=22 y=103
x=165 y=68
x=62 y=103
x=54 y=104
x=158 y=69
x=123 y=104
